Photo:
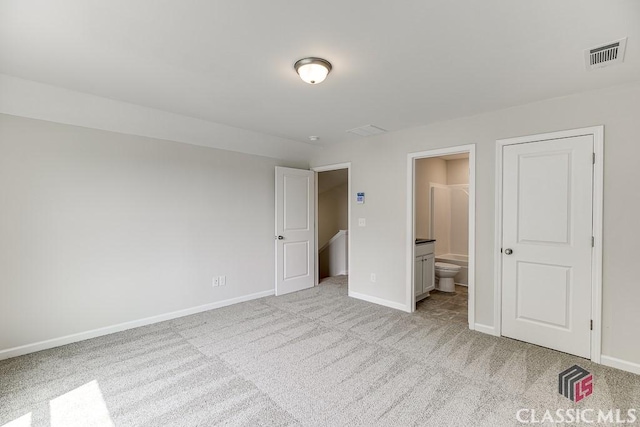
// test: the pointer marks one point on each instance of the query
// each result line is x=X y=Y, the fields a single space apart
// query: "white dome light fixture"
x=313 y=70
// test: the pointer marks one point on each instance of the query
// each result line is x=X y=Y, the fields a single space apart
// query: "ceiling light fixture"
x=313 y=70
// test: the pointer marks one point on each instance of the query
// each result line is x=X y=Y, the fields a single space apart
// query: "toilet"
x=445 y=274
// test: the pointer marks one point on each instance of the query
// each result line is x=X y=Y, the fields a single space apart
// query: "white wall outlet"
x=216 y=281
x=223 y=280
x=362 y=222
x=373 y=277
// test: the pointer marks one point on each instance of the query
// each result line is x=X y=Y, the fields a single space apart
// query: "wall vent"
x=605 y=55
x=367 y=130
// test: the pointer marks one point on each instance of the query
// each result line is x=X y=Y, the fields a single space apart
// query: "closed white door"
x=547 y=243
x=295 y=233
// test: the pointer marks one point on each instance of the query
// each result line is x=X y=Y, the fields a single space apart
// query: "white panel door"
x=295 y=233
x=546 y=243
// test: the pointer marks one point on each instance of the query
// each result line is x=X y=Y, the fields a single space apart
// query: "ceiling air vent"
x=367 y=130
x=605 y=55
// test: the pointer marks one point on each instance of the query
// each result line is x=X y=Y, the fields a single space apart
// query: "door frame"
x=596 y=255
x=410 y=244
x=328 y=168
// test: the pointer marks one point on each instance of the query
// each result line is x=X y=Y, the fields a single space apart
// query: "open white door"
x=295 y=233
x=547 y=243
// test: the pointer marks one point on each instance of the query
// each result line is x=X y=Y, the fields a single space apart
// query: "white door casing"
x=294 y=230
x=410 y=233
x=547 y=228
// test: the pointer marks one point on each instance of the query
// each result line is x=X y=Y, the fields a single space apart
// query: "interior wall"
x=381 y=245
x=459 y=212
x=333 y=212
x=457 y=171
x=457 y=174
x=441 y=221
x=99 y=228
x=431 y=169
x=453 y=222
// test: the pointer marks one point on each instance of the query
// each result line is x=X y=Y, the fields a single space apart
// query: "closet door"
x=547 y=243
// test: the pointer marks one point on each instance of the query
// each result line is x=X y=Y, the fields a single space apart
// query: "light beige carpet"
x=315 y=357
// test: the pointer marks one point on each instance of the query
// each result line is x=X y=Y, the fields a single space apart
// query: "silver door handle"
x=508 y=251
x=280 y=237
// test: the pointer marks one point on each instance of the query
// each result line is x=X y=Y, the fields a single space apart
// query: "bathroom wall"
x=427 y=170
x=459 y=222
x=441 y=221
x=458 y=171
x=452 y=208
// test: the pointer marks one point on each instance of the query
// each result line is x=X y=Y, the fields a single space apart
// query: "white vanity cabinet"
x=424 y=274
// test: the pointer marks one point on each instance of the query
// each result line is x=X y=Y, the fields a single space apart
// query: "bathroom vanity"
x=424 y=274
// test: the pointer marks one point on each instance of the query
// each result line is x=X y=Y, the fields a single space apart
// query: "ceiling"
x=396 y=65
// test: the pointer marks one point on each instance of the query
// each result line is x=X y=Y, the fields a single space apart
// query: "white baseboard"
x=379 y=301
x=620 y=364
x=81 y=336
x=486 y=329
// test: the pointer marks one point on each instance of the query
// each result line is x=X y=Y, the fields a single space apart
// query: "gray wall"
x=380 y=246
x=99 y=228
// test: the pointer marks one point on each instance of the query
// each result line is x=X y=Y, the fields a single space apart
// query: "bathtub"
x=461 y=278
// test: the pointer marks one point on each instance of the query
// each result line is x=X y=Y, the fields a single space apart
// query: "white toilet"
x=445 y=274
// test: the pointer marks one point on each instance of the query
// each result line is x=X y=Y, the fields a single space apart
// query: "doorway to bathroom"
x=441 y=221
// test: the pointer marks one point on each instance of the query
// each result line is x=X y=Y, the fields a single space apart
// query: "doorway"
x=333 y=213
x=548 y=240
x=441 y=233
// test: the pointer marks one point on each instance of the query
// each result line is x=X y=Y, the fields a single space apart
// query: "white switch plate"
x=223 y=280
x=362 y=222
x=216 y=281
x=373 y=277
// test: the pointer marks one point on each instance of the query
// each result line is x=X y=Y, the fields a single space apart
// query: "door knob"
x=508 y=251
x=280 y=237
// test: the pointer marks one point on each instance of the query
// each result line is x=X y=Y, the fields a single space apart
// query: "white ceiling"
x=395 y=64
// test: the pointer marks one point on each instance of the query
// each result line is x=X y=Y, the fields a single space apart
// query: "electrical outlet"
x=373 y=277
x=216 y=281
x=223 y=280
x=362 y=222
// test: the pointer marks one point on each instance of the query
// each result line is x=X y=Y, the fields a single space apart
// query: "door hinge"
x=594 y=158
x=593 y=241
x=591 y=325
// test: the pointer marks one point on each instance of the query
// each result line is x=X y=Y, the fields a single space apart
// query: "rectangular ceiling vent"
x=605 y=55
x=367 y=130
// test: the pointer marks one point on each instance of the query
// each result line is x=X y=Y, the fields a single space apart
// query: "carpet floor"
x=315 y=358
